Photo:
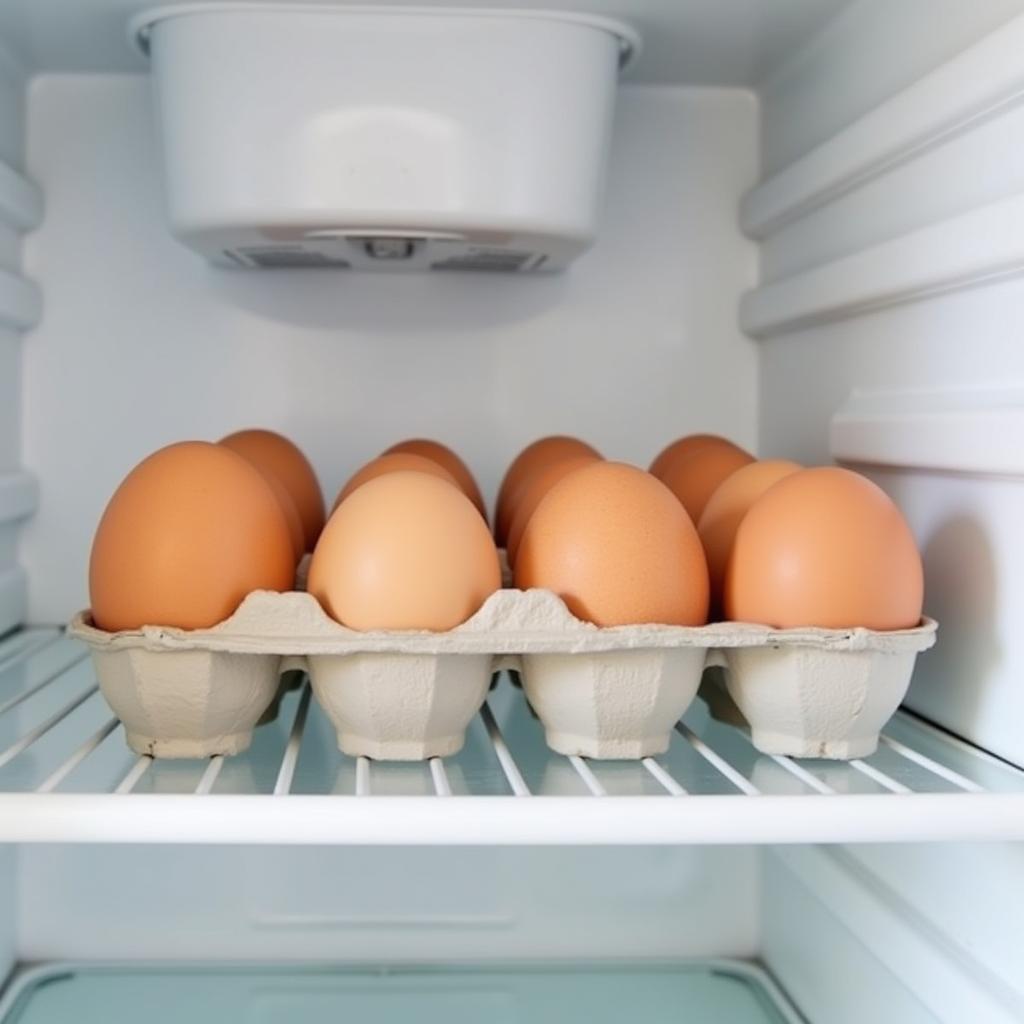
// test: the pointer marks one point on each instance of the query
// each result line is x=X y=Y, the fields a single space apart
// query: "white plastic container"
x=413 y=138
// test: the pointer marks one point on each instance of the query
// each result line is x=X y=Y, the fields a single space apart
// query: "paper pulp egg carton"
x=599 y=692
x=814 y=692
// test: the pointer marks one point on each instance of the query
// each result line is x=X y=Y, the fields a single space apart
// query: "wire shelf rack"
x=66 y=775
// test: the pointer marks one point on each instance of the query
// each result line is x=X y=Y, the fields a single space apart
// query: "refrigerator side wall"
x=19 y=308
x=892 y=278
x=891 y=262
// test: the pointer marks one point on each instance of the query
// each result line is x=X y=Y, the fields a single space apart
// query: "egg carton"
x=599 y=692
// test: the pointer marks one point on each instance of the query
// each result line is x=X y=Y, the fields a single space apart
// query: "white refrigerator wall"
x=891 y=252
x=143 y=344
x=380 y=905
x=18 y=310
x=11 y=485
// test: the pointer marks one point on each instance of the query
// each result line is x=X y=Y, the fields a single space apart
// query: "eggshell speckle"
x=190 y=531
x=825 y=547
x=616 y=546
x=532 y=459
x=277 y=456
x=725 y=511
x=445 y=457
x=392 y=464
x=404 y=551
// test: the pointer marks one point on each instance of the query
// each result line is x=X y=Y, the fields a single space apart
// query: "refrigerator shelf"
x=66 y=775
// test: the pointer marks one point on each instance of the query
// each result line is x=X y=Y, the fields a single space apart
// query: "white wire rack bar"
x=52 y=781
x=20 y=698
x=710 y=770
x=362 y=776
x=932 y=766
x=209 y=777
x=437 y=771
x=128 y=783
x=880 y=777
x=506 y=821
x=26 y=741
x=669 y=783
x=723 y=766
x=508 y=764
x=589 y=778
x=22 y=645
x=291 y=751
x=803 y=775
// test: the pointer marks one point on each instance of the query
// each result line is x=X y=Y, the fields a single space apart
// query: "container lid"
x=140 y=27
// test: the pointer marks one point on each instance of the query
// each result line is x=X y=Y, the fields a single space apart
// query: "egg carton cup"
x=599 y=692
x=819 y=692
x=188 y=703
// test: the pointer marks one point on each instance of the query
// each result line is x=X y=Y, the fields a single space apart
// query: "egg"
x=725 y=511
x=616 y=546
x=189 y=532
x=825 y=547
x=446 y=458
x=278 y=457
x=684 y=447
x=694 y=478
x=532 y=459
x=404 y=551
x=291 y=515
x=534 y=490
x=391 y=464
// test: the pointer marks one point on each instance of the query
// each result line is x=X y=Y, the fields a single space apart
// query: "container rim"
x=140 y=27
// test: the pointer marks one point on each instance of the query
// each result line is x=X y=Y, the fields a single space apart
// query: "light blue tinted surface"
x=690 y=994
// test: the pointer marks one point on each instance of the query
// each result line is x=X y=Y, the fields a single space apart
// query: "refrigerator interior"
x=812 y=243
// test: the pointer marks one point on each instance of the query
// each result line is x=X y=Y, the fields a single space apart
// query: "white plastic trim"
x=984 y=245
x=19 y=496
x=951 y=984
x=961 y=431
x=486 y=821
x=21 y=200
x=630 y=41
x=983 y=81
x=21 y=302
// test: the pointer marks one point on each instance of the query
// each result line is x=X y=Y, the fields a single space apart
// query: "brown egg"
x=534 y=490
x=533 y=458
x=392 y=464
x=725 y=511
x=684 y=447
x=825 y=547
x=404 y=551
x=277 y=456
x=446 y=458
x=616 y=546
x=694 y=479
x=291 y=515
x=191 y=530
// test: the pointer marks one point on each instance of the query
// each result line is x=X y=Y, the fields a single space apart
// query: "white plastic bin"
x=389 y=138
